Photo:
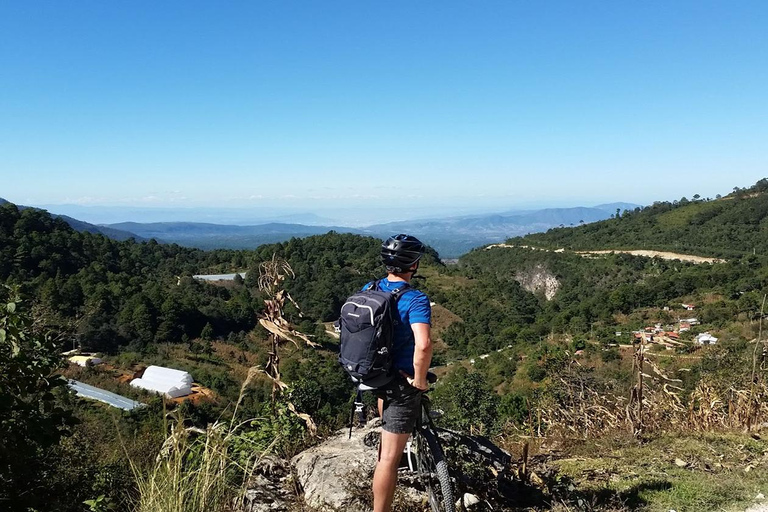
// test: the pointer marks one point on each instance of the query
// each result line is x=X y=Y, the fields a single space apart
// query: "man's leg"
x=385 y=476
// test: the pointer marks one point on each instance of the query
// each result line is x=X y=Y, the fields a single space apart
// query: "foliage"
x=467 y=402
x=192 y=473
x=594 y=290
x=326 y=268
x=32 y=419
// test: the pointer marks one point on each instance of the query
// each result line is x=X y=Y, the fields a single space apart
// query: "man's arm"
x=422 y=355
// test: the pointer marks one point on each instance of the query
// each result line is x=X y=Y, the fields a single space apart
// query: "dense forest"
x=594 y=290
x=116 y=294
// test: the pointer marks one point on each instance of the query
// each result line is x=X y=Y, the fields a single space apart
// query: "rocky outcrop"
x=336 y=474
x=327 y=473
x=538 y=279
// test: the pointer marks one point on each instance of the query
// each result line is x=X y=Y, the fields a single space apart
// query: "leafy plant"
x=32 y=419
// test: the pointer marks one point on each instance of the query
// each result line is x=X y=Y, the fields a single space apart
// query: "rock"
x=760 y=496
x=270 y=487
x=539 y=279
x=326 y=472
x=336 y=474
x=469 y=501
x=680 y=463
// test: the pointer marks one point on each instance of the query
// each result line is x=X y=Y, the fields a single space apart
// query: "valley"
x=599 y=368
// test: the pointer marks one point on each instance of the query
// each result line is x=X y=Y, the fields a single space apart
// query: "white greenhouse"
x=166 y=381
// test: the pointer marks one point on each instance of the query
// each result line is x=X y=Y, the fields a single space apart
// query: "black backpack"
x=367 y=325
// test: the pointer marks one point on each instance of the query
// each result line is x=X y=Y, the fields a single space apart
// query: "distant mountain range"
x=455 y=236
x=451 y=236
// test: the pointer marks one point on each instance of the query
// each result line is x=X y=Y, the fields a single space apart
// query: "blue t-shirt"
x=414 y=308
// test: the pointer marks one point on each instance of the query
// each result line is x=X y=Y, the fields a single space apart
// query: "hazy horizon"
x=327 y=215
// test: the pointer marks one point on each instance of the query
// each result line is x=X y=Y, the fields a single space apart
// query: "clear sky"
x=489 y=103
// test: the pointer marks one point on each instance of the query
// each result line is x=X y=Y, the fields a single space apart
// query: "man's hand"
x=419 y=384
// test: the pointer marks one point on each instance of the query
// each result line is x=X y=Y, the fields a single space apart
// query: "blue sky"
x=492 y=104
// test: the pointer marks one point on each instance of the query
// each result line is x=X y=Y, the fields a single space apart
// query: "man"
x=400 y=401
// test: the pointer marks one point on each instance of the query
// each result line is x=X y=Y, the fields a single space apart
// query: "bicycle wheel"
x=433 y=471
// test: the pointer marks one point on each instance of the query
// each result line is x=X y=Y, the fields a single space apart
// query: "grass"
x=681 y=217
x=198 y=470
x=686 y=473
x=191 y=473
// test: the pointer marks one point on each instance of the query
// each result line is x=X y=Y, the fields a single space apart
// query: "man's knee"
x=390 y=458
x=391 y=448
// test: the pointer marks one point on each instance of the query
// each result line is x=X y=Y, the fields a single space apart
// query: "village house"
x=706 y=338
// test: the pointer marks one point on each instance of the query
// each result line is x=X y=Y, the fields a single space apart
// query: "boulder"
x=330 y=472
x=336 y=474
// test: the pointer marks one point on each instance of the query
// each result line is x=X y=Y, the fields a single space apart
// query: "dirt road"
x=660 y=254
x=665 y=255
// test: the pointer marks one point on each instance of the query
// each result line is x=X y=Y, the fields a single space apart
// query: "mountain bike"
x=426 y=454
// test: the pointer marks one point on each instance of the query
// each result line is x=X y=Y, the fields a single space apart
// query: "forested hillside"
x=728 y=226
x=78 y=225
x=124 y=293
x=114 y=293
x=594 y=290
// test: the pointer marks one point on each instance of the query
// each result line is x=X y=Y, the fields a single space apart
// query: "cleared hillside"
x=729 y=226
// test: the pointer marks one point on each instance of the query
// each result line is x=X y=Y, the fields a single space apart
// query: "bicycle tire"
x=433 y=470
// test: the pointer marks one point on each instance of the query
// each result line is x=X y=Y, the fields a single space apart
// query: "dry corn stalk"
x=272 y=275
x=578 y=407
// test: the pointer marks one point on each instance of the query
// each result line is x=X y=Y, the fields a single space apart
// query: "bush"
x=32 y=419
x=468 y=402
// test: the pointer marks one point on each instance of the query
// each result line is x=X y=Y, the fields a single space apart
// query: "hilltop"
x=729 y=226
x=79 y=225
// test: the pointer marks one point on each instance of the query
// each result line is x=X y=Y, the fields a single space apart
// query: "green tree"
x=468 y=402
x=207 y=332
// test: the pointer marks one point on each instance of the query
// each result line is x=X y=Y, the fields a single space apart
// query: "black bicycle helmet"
x=400 y=252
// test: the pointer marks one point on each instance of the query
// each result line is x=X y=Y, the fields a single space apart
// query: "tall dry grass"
x=199 y=470
x=578 y=408
x=192 y=473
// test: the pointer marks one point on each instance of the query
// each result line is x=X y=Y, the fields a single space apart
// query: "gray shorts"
x=402 y=406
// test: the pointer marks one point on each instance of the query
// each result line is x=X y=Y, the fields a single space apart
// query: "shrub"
x=468 y=402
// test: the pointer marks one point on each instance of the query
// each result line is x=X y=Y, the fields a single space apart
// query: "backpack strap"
x=396 y=293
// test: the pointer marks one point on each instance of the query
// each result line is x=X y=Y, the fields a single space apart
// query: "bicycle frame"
x=426 y=438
